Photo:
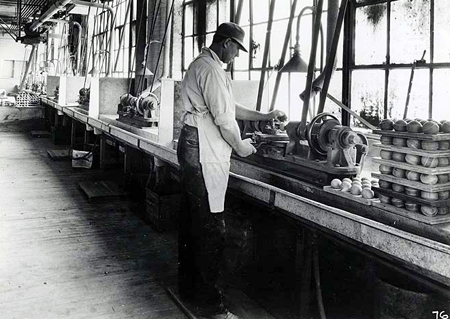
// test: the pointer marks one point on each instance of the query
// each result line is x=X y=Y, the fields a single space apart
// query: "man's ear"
x=226 y=42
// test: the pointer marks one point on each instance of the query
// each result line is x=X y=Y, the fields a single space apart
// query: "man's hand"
x=246 y=148
x=277 y=114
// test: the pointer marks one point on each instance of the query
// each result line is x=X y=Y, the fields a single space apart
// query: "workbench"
x=407 y=244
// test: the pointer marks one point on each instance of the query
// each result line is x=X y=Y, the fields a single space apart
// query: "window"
x=11 y=68
x=253 y=18
x=7 y=69
x=200 y=21
x=389 y=37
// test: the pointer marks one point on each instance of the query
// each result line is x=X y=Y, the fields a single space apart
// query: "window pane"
x=241 y=75
x=198 y=44
x=370 y=34
x=7 y=69
x=241 y=62
x=305 y=36
x=282 y=101
x=282 y=9
x=410 y=30
x=367 y=95
x=277 y=42
x=245 y=16
x=224 y=11
x=255 y=75
x=211 y=16
x=398 y=88
x=260 y=10
x=297 y=85
x=335 y=90
x=188 y=52
x=134 y=9
x=259 y=37
x=441 y=92
x=441 y=31
x=188 y=20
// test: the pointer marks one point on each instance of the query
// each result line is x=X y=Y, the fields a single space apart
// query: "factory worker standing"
x=209 y=135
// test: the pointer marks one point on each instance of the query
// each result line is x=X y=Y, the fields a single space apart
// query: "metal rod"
x=160 y=51
x=8 y=30
x=265 y=55
x=332 y=55
x=122 y=32
x=311 y=67
x=166 y=65
x=19 y=10
x=237 y=17
x=22 y=83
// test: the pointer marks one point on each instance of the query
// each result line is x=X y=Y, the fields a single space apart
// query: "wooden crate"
x=161 y=211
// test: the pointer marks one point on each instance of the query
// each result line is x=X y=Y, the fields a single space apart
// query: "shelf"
x=412 y=199
x=413 y=184
x=419 y=136
x=414 y=168
x=412 y=151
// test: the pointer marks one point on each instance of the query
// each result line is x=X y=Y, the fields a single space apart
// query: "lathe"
x=323 y=151
x=141 y=111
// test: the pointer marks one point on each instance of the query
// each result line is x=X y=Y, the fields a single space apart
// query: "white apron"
x=215 y=155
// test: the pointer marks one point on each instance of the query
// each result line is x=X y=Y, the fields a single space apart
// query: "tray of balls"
x=357 y=189
x=429 y=130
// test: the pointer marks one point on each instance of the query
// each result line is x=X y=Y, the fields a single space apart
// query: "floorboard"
x=63 y=256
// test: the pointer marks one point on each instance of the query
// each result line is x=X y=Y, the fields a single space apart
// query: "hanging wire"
x=84 y=44
x=91 y=52
x=59 y=47
x=162 y=46
x=135 y=49
x=152 y=28
x=22 y=71
x=109 y=39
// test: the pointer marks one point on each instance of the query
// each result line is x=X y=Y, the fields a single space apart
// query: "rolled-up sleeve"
x=218 y=99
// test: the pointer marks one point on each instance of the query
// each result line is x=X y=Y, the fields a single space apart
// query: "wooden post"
x=73 y=134
x=102 y=151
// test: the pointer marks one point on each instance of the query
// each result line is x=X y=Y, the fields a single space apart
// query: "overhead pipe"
x=80 y=30
x=111 y=14
x=58 y=5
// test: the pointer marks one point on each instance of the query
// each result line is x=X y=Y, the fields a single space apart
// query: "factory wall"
x=11 y=51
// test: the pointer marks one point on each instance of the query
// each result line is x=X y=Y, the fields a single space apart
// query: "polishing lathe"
x=139 y=111
x=324 y=150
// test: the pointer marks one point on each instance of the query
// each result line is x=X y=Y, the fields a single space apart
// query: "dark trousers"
x=201 y=233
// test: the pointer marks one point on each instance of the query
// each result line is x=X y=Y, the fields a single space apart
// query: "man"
x=209 y=135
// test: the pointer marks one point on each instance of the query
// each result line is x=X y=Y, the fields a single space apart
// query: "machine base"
x=137 y=121
x=314 y=172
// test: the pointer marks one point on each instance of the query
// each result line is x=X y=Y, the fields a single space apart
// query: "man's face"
x=230 y=51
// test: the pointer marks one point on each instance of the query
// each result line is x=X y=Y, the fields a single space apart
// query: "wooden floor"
x=62 y=256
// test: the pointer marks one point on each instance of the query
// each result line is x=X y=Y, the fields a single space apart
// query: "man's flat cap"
x=233 y=31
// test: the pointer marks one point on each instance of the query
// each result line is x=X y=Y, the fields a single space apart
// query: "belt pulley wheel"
x=317 y=130
x=146 y=101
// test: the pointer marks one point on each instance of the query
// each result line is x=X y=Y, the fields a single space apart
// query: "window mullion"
x=388 y=60
x=430 y=96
